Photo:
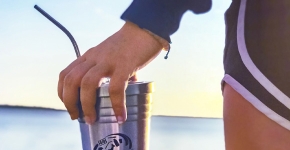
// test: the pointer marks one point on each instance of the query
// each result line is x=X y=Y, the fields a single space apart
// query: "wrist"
x=164 y=43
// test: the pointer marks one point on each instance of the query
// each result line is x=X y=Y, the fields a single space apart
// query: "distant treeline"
x=27 y=107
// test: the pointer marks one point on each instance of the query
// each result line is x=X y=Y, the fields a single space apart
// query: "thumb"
x=117 y=89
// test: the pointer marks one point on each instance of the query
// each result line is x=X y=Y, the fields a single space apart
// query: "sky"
x=33 y=51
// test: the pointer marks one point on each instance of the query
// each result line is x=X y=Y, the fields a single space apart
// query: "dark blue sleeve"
x=162 y=17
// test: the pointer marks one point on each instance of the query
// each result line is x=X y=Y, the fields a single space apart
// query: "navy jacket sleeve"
x=162 y=17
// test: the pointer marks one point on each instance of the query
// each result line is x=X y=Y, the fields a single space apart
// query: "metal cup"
x=107 y=134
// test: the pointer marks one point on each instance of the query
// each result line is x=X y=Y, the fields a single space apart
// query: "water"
x=44 y=129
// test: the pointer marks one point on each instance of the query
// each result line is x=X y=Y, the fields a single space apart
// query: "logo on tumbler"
x=113 y=141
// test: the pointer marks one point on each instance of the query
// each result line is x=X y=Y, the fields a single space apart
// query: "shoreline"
x=29 y=107
x=53 y=109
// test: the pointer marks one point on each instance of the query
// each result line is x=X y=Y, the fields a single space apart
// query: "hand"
x=118 y=57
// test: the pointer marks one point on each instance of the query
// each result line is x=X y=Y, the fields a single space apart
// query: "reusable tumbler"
x=107 y=134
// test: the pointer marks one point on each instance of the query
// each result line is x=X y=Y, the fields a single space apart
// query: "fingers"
x=71 y=86
x=89 y=77
x=89 y=84
x=63 y=73
x=117 y=95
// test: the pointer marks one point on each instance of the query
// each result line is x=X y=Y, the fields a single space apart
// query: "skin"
x=130 y=49
x=117 y=57
x=246 y=128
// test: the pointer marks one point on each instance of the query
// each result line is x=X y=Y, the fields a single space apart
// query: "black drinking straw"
x=61 y=27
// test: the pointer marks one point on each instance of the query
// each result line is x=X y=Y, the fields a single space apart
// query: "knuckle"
x=86 y=82
x=62 y=74
x=88 y=52
x=60 y=95
x=69 y=80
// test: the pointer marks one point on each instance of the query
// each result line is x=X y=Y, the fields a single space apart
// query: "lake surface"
x=45 y=129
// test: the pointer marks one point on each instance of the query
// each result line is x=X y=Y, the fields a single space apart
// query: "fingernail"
x=120 y=119
x=89 y=120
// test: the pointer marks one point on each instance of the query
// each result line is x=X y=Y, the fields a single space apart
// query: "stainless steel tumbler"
x=107 y=134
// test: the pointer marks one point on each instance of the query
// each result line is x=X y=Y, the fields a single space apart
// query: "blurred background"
x=33 y=51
